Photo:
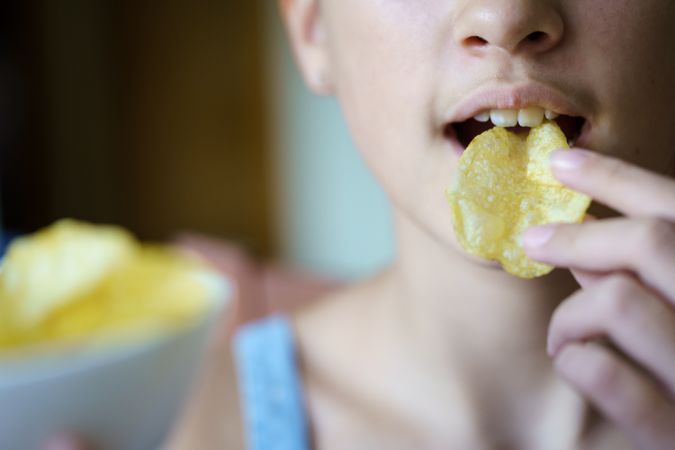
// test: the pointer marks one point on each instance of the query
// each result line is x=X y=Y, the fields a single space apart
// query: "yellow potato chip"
x=75 y=282
x=40 y=273
x=503 y=187
x=157 y=289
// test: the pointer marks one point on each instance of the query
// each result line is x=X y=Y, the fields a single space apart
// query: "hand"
x=626 y=267
x=262 y=287
x=211 y=416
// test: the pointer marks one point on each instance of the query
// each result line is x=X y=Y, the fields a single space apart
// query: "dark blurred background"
x=143 y=113
x=179 y=115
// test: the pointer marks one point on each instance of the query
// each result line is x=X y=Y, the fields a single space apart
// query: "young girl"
x=443 y=350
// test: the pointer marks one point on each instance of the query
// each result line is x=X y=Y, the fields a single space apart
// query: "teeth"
x=550 y=115
x=483 y=117
x=530 y=117
x=504 y=117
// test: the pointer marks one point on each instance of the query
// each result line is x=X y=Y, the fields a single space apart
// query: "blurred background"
x=180 y=115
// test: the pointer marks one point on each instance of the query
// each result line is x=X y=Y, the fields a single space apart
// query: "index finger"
x=627 y=188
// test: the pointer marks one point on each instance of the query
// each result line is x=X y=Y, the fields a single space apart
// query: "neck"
x=455 y=308
x=461 y=323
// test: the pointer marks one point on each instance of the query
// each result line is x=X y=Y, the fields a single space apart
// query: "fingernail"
x=538 y=236
x=568 y=159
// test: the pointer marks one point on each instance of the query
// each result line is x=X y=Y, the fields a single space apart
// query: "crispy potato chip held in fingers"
x=504 y=186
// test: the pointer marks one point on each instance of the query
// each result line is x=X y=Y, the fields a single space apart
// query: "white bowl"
x=123 y=398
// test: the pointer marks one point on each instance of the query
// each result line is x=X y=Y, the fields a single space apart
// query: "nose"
x=516 y=26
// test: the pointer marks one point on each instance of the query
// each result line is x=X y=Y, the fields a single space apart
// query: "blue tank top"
x=273 y=407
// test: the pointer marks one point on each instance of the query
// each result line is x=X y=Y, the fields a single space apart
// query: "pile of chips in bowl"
x=76 y=284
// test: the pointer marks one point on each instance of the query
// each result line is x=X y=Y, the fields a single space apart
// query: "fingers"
x=643 y=246
x=621 y=392
x=634 y=319
x=629 y=189
x=586 y=278
x=625 y=267
x=226 y=256
x=241 y=268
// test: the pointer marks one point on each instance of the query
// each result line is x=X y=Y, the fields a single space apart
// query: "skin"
x=442 y=350
x=394 y=67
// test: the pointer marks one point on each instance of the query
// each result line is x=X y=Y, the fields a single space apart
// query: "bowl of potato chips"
x=99 y=334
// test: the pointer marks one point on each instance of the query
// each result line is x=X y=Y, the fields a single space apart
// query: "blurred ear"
x=308 y=39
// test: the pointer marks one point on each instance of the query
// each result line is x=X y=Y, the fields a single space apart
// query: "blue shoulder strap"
x=270 y=387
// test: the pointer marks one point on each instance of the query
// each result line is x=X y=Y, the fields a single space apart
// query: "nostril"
x=475 y=41
x=536 y=37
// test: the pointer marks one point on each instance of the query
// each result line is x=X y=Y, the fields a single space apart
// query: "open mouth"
x=515 y=120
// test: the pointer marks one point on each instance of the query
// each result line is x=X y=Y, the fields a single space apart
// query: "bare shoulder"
x=349 y=301
x=212 y=418
x=341 y=342
x=335 y=321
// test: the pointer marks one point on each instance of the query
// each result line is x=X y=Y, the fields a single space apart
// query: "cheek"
x=389 y=72
x=633 y=77
x=384 y=63
x=389 y=113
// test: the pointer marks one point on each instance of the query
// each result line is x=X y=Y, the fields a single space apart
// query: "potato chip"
x=41 y=272
x=503 y=187
x=157 y=289
x=76 y=282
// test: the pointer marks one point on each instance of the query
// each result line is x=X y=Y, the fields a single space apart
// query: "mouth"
x=516 y=120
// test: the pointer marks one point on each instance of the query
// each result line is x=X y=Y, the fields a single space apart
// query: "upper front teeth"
x=504 y=117
x=483 y=117
x=530 y=117
x=525 y=117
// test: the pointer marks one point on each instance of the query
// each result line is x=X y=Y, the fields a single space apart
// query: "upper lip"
x=513 y=97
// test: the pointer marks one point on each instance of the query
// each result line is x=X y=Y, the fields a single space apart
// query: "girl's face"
x=411 y=74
